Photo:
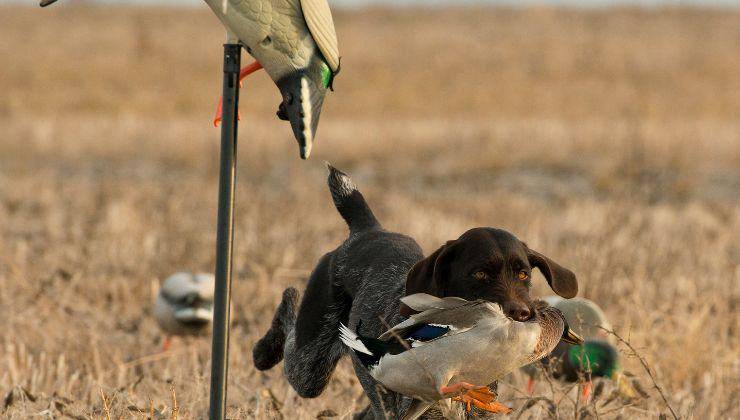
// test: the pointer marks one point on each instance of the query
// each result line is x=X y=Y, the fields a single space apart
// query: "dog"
x=363 y=279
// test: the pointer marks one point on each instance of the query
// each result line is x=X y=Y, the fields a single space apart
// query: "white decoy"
x=296 y=43
x=184 y=304
x=455 y=345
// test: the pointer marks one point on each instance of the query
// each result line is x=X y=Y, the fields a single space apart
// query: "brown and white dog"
x=366 y=275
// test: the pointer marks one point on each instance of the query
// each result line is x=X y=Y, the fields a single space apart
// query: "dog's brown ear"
x=561 y=280
x=429 y=275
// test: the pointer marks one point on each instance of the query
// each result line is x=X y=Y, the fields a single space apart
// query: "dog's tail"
x=349 y=201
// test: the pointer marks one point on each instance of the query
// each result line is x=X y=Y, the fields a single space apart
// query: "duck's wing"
x=321 y=25
x=422 y=302
x=435 y=323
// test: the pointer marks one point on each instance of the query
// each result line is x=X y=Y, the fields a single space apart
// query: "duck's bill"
x=302 y=102
x=44 y=3
x=570 y=337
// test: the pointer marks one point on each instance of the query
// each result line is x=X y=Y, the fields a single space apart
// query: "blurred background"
x=605 y=134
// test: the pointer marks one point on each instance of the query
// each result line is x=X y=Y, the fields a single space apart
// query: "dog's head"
x=490 y=264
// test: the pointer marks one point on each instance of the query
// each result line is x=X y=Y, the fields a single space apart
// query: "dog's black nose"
x=517 y=311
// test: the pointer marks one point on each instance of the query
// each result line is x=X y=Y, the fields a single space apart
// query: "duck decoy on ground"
x=296 y=43
x=596 y=357
x=184 y=305
x=453 y=345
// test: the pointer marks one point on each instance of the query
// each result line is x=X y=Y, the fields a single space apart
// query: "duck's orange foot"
x=491 y=407
x=475 y=396
x=246 y=71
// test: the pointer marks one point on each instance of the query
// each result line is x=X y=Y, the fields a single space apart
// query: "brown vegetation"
x=607 y=139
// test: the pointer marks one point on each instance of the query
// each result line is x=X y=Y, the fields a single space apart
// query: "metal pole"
x=224 y=233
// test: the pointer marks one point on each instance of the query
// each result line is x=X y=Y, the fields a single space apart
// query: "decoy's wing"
x=205 y=283
x=435 y=323
x=320 y=24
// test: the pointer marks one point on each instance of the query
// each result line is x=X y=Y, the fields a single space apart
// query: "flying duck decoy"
x=295 y=42
x=451 y=346
x=596 y=357
x=184 y=304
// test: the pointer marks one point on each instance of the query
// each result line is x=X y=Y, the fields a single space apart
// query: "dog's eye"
x=480 y=275
x=522 y=275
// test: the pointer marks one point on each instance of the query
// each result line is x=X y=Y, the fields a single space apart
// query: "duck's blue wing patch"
x=428 y=332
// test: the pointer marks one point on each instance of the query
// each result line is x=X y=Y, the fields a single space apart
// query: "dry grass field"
x=607 y=139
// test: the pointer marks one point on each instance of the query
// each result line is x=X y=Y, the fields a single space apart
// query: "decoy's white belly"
x=274 y=31
x=478 y=356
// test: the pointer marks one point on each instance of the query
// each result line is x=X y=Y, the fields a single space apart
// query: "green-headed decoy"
x=184 y=304
x=454 y=345
x=295 y=42
x=596 y=357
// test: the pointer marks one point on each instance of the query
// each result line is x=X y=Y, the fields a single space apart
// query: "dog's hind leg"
x=309 y=341
x=313 y=348
x=269 y=349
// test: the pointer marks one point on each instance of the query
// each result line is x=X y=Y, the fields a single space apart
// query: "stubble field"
x=608 y=140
